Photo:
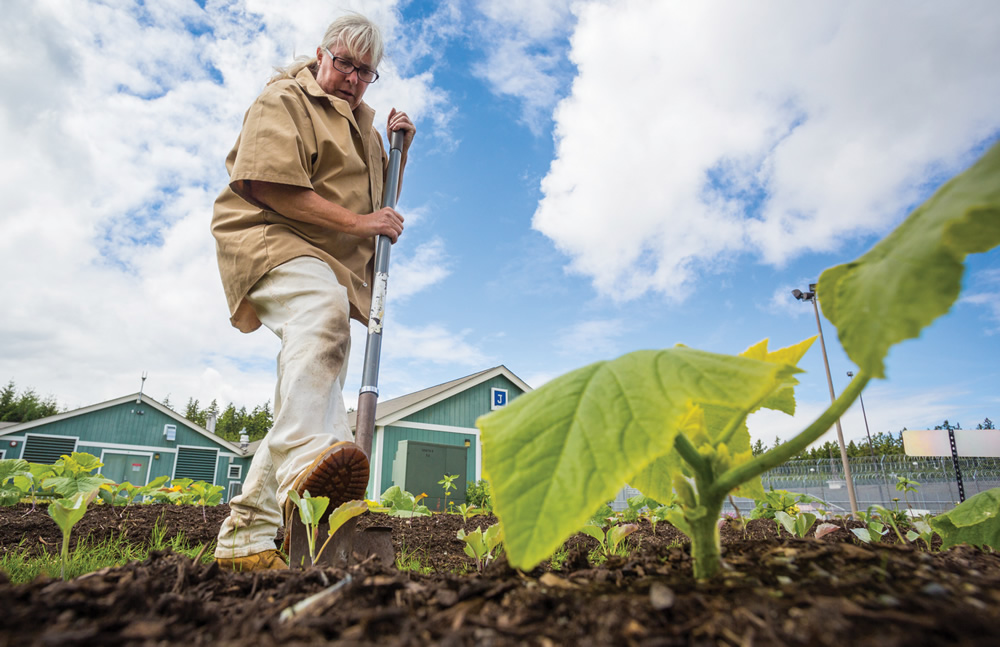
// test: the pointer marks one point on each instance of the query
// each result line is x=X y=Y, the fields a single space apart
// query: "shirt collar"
x=362 y=117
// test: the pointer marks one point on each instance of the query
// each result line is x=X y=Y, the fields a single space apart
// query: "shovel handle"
x=368 y=397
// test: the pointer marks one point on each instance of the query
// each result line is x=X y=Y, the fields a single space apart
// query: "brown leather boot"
x=340 y=473
x=269 y=560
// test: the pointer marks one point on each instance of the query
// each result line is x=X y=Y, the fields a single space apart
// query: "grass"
x=410 y=561
x=88 y=557
x=558 y=559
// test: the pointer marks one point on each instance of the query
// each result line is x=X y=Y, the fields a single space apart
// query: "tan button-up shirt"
x=296 y=134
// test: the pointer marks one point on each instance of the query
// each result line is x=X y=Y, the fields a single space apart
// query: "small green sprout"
x=311 y=511
x=481 y=546
x=467 y=511
x=448 y=483
x=66 y=513
x=797 y=525
x=873 y=530
x=906 y=486
x=403 y=504
x=921 y=530
x=206 y=494
x=610 y=539
x=12 y=469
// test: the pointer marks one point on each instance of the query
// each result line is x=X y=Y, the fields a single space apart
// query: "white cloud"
x=409 y=275
x=987 y=294
x=782 y=303
x=698 y=131
x=116 y=120
x=593 y=340
x=524 y=45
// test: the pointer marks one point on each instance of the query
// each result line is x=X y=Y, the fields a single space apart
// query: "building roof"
x=135 y=397
x=395 y=409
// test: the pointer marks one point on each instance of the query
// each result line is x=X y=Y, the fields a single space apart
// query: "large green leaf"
x=554 y=454
x=656 y=480
x=914 y=275
x=12 y=467
x=70 y=486
x=975 y=521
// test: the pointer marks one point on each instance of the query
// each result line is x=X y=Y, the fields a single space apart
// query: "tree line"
x=25 y=406
x=231 y=422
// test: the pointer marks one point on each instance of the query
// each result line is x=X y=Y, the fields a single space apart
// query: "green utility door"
x=133 y=468
x=419 y=466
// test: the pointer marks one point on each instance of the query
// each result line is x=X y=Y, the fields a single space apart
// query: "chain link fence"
x=875 y=481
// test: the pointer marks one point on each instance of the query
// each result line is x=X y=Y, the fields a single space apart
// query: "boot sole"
x=340 y=473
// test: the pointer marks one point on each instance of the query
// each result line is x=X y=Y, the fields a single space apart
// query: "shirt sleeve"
x=277 y=144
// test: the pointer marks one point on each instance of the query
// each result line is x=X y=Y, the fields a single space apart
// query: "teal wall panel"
x=137 y=434
x=462 y=409
x=122 y=424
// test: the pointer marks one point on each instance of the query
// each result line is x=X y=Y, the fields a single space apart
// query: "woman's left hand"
x=400 y=121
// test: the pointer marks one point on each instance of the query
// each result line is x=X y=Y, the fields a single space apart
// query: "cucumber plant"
x=674 y=421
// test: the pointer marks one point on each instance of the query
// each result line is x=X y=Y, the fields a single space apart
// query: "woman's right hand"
x=384 y=222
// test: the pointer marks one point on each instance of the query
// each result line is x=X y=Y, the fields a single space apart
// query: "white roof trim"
x=24 y=426
x=444 y=395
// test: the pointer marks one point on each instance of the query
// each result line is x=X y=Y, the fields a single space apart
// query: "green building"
x=137 y=439
x=422 y=436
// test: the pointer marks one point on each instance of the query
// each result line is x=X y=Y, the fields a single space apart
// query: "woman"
x=295 y=235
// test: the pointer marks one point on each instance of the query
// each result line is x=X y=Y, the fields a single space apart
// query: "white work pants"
x=302 y=302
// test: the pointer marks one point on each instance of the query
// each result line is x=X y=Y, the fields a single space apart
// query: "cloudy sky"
x=589 y=178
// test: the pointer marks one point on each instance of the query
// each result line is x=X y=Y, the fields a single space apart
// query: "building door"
x=133 y=468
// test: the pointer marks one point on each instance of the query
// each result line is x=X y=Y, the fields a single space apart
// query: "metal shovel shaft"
x=368 y=397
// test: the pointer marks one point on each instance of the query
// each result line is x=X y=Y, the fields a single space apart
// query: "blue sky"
x=589 y=178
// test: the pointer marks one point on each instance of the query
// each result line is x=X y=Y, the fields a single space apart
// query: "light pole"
x=811 y=296
x=871 y=447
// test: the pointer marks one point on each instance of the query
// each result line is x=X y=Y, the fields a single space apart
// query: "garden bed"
x=780 y=590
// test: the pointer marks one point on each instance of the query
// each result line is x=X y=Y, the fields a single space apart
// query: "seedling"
x=74 y=475
x=894 y=519
x=635 y=505
x=467 y=511
x=10 y=470
x=206 y=494
x=675 y=420
x=921 y=530
x=448 y=483
x=798 y=524
x=609 y=540
x=66 y=513
x=775 y=501
x=311 y=509
x=906 y=486
x=873 y=530
x=975 y=521
x=481 y=546
x=403 y=504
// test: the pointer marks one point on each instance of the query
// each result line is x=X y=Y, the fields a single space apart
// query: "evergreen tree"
x=24 y=407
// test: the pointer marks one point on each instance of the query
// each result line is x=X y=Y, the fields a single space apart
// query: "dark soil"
x=778 y=590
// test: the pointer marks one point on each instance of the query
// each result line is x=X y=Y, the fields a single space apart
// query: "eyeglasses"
x=344 y=66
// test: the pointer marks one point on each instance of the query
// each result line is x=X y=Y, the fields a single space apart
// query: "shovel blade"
x=348 y=545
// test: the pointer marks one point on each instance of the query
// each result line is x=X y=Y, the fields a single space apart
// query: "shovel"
x=348 y=544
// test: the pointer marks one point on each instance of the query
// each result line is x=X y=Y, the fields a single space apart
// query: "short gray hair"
x=357 y=33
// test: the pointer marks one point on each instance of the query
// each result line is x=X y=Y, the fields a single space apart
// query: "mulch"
x=776 y=590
